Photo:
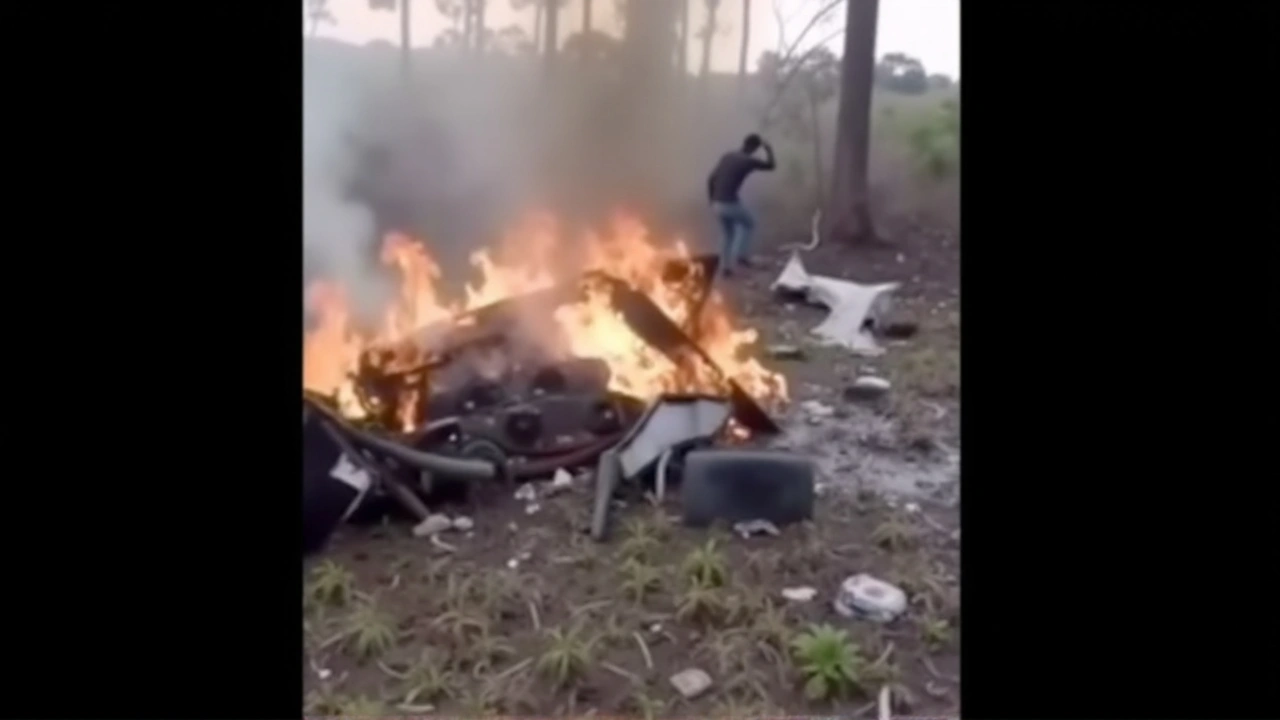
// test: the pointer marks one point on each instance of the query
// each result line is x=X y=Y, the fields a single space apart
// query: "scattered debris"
x=561 y=482
x=671 y=422
x=800 y=594
x=433 y=525
x=867 y=387
x=442 y=545
x=817 y=409
x=526 y=493
x=863 y=596
x=462 y=523
x=787 y=352
x=532 y=508
x=691 y=683
x=756 y=527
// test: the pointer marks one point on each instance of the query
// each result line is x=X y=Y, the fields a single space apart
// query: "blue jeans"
x=736 y=227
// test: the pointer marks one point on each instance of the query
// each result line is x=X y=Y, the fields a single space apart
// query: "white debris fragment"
x=851 y=305
x=513 y=563
x=526 y=493
x=867 y=387
x=799 y=594
x=655 y=628
x=691 y=683
x=911 y=508
x=560 y=482
x=786 y=352
x=433 y=525
x=863 y=596
x=814 y=408
x=462 y=523
x=532 y=508
x=756 y=527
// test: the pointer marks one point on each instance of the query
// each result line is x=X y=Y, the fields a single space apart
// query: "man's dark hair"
x=750 y=143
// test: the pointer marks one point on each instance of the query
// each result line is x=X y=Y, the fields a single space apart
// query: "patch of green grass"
x=371 y=632
x=706 y=566
x=645 y=705
x=828 y=662
x=567 y=656
x=895 y=534
x=701 y=604
x=935 y=632
x=428 y=679
x=330 y=585
x=486 y=650
x=642 y=540
x=461 y=626
x=639 y=579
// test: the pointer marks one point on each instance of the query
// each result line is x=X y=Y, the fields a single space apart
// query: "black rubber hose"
x=442 y=465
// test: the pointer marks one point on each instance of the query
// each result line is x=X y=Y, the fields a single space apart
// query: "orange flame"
x=530 y=259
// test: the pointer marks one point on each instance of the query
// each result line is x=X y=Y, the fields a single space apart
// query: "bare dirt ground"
x=524 y=614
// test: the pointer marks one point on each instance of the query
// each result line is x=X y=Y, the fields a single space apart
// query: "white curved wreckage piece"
x=850 y=303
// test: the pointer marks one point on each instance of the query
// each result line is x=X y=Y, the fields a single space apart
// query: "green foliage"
x=829 y=662
x=331 y=585
x=701 y=604
x=933 y=140
x=639 y=579
x=371 y=631
x=706 y=566
x=429 y=679
x=567 y=655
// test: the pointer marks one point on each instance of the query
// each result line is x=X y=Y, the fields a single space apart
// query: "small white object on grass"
x=463 y=523
x=815 y=408
x=526 y=493
x=863 y=596
x=433 y=525
x=691 y=683
x=560 y=482
x=756 y=527
x=532 y=508
x=799 y=594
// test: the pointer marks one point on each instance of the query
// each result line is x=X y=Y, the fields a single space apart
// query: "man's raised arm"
x=767 y=163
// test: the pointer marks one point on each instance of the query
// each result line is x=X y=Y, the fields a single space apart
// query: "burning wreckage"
x=625 y=370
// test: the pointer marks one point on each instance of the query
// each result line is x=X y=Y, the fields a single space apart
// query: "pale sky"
x=925 y=29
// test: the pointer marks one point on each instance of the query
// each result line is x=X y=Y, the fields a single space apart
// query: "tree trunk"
x=406 y=58
x=819 y=175
x=746 y=45
x=552 y=39
x=478 y=25
x=682 y=53
x=468 y=25
x=537 y=26
x=849 y=212
x=708 y=33
x=586 y=17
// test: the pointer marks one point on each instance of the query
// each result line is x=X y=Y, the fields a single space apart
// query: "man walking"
x=736 y=224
